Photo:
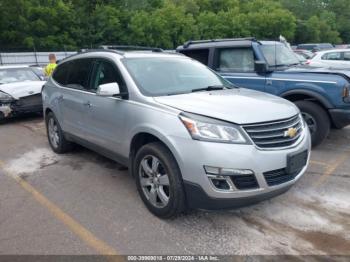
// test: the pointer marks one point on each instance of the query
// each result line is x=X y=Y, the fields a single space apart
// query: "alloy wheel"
x=53 y=132
x=154 y=181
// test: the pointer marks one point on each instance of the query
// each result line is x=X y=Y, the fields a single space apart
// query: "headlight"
x=5 y=97
x=302 y=120
x=211 y=130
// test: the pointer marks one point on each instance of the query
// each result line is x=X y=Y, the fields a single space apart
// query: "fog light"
x=210 y=170
x=221 y=182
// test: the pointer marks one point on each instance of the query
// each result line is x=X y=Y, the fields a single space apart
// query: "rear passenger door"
x=106 y=116
x=73 y=110
x=236 y=64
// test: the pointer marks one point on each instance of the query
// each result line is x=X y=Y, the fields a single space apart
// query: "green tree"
x=166 y=27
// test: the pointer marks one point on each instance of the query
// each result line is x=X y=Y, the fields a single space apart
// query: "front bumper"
x=201 y=193
x=30 y=104
x=340 y=117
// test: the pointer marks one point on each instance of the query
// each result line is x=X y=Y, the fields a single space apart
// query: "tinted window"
x=200 y=55
x=347 y=56
x=60 y=75
x=332 y=56
x=238 y=59
x=79 y=71
x=106 y=73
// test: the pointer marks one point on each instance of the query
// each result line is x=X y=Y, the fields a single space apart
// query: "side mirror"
x=110 y=89
x=261 y=67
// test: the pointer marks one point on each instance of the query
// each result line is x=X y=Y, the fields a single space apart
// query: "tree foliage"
x=73 y=24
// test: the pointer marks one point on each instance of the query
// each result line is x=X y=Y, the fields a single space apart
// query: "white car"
x=335 y=58
x=20 y=91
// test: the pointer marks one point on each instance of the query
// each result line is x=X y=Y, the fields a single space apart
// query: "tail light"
x=308 y=62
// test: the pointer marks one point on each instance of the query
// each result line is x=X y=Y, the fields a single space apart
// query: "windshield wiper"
x=208 y=88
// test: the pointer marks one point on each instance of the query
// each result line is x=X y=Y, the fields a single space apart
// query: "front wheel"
x=317 y=120
x=158 y=180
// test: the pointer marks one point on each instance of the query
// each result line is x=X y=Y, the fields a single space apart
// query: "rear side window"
x=236 y=60
x=332 y=56
x=79 y=72
x=200 y=55
x=347 y=56
x=61 y=73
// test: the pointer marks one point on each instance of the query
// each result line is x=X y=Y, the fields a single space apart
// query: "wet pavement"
x=83 y=203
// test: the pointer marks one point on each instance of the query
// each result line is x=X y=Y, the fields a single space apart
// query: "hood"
x=318 y=70
x=239 y=105
x=22 y=89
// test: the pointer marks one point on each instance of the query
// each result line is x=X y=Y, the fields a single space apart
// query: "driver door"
x=105 y=119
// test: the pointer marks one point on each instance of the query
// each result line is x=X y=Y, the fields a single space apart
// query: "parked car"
x=305 y=53
x=39 y=71
x=301 y=58
x=344 y=46
x=322 y=95
x=315 y=47
x=20 y=91
x=189 y=137
x=336 y=58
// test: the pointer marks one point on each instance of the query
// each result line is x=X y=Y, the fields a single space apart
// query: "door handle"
x=88 y=104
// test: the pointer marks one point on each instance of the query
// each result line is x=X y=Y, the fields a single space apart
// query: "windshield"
x=158 y=76
x=11 y=75
x=279 y=55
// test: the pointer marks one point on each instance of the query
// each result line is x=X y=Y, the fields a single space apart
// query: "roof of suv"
x=217 y=42
x=134 y=54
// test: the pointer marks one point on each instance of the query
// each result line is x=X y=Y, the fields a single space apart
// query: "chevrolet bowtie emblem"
x=291 y=132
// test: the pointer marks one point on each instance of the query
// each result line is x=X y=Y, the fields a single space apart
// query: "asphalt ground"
x=83 y=203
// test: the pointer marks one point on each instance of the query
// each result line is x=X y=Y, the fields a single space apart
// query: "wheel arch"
x=47 y=110
x=145 y=137
x=299 y=94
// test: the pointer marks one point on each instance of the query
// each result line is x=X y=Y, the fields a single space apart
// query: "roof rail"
x=188 y=43
x=131 y=48
x=101 y=50
x=84 y=51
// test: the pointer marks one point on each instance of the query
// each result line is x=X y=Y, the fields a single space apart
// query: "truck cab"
x=322 y=95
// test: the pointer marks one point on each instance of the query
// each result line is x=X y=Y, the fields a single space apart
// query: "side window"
x=347 y=56
x=79 y=72
x=60 y=75
x=105 y=73
x=236 y=60
x=200 y=55
x=332 y=56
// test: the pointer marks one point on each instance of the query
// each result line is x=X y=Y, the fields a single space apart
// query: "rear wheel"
x=159 y=181
x=317 y=120
x=2 y=118
x=55 y=135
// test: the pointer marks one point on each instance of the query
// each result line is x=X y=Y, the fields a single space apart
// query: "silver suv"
x=189 y=138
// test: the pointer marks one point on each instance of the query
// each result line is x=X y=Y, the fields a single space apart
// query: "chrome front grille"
x=276 y=134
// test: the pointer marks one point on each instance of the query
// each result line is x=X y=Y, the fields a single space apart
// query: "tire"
x=2 y=118
x=317 y=119
x=155 y=180
x=57 y=141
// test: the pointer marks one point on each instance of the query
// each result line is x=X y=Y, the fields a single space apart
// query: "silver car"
x=189 y=138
